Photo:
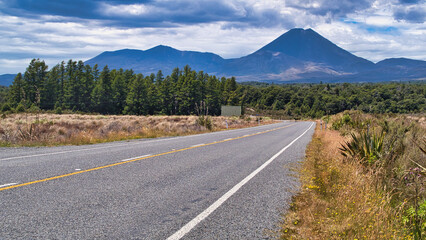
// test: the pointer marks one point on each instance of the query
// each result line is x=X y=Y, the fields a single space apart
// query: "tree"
x=136 y=101
x=61 y=86
x=87 y=85
x=73 y=76
x=17 y=92
x=101 y=95
x=49 y=92
x=34 y=78
x=119 y=93
x=213 y=95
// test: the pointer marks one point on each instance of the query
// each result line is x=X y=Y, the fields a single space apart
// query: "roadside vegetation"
x=47 y=129
x=363 y=178
x=33 y=129
x=74 y=86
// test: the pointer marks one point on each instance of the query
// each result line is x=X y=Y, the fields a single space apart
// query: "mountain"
x=158 y=58
x=6 y=79
x=394 y=69
x=296 y=56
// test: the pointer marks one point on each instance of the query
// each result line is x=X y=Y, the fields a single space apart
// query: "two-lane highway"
x=222 y=185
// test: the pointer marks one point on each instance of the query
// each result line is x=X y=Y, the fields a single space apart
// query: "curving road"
x=223 y=185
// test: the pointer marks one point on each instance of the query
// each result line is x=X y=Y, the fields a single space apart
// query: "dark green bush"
x=20 y=108
x=6 y=107
x=58 y=110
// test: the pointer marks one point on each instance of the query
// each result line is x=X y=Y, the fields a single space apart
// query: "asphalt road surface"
x=223 y=185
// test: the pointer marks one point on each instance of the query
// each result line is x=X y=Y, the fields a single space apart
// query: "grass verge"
x=341 y=199
x=26 y=129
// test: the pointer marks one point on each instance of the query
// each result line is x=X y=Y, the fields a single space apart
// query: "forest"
x=76 y=87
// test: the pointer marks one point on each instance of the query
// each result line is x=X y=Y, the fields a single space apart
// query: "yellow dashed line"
x=136 y=159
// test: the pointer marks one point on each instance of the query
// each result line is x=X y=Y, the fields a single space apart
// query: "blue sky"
x=56 y=30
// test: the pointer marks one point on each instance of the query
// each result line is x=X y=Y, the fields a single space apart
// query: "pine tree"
x=61 y=87
x=175 y=86
x=49 y=92
x=87 y=84
x=101 y=95
x=166 y=96
x=136 y=101
x=213 y=95
x=17 y=92
x=72 y=88
x=34 y=78
x=153 y=103
x=119 y=93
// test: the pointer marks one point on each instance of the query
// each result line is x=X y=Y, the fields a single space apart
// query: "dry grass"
x=339 y=199
x=52 y=129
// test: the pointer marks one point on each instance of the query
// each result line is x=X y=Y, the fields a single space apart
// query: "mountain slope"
x=158 y=58
x=307 y=45
x=296 y=56
x=7 y=79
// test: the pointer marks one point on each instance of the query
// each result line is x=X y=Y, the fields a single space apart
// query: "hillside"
x=296 y=56
x=158 y=58
x=6 y=79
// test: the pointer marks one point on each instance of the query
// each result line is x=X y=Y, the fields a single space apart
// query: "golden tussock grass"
x=53 y=129
x=339 y=199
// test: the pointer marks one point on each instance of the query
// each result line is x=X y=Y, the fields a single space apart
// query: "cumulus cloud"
x=160 y=13
x=80 y=29
x=331 y=8
x=409 y=1
x=411 y=14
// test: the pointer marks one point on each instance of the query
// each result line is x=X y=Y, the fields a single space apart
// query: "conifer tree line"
x=79 y=87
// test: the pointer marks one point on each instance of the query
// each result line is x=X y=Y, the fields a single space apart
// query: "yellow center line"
x=137 y=159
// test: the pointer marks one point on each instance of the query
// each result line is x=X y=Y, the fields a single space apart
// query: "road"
x=222 y=185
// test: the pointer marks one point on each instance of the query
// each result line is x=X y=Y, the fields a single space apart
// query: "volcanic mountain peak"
x=308 y=45
x=305 y=53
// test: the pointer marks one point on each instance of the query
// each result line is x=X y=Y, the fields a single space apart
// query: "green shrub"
x=34 y=109
x=6 y=107
x=20 y=108
x=205 y=121
x=367 y=148
x=58 y=110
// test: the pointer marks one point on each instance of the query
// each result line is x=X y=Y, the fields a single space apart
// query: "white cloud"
x=55 y=38
x=123 y=10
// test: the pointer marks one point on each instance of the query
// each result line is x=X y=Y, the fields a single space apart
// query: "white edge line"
x=128 y=159
x=190 y=225
x=126 y=144
x=7 y=185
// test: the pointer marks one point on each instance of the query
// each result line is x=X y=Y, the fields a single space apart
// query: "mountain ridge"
x=298 y=55
x=6 y=79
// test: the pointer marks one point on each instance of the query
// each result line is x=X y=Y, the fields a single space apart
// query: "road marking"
x=130 y=160
x=190 y=225
x=228 y=139
x=129 y=144
x=54 y=153
x=7 y=184
x=198 y=145
x=77 y=169
x=147 y=155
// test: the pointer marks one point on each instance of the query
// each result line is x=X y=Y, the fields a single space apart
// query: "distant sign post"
x=231 y=111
